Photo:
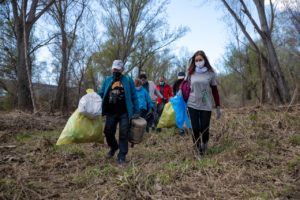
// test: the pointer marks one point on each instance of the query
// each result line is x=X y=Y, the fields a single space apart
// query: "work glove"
x=218 y=112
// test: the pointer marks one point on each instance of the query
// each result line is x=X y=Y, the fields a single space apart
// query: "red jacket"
x=167 y=93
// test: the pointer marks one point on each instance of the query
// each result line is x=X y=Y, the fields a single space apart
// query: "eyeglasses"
x=198 y=60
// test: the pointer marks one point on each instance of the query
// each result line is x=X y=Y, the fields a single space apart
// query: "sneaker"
x=111 y=153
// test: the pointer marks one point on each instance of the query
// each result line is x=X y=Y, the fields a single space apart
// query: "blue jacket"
x=144 y=99
x=130 y=93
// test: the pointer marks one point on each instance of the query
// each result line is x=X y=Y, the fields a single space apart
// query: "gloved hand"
x=218 y=112
x=164 y=100
x=135 y=116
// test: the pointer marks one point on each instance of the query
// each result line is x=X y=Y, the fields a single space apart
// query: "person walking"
x=166 y=91
x=203 y=82
x=176 y=88
x=145 y=102
x=150 y=87
x=120 y=105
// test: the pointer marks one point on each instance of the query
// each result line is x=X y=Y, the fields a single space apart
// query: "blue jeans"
x=112 y=121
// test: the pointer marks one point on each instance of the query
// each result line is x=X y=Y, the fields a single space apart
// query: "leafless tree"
x=273 y=82
x=25 y=15
x=137 y=29
x=62 y=12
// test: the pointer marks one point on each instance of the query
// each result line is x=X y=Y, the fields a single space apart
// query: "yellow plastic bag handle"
x=90 y=91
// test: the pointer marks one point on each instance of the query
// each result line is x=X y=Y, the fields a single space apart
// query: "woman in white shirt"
x=203 y=82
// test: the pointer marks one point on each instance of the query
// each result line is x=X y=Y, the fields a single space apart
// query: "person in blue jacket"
x=120 y=105
x=145 y=102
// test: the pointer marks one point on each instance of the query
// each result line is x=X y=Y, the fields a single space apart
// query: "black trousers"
x=110 y=128
x=200 y=120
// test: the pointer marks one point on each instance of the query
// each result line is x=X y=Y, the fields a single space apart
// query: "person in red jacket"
x=166 y=90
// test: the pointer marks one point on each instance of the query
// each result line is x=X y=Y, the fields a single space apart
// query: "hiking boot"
x=158 y=130
x=201 y=151
x=111 y=153
x=147 y=129
x=204 y=147
x=181 y=132
x=122 y=163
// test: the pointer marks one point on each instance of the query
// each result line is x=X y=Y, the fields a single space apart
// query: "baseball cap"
x=180 y=75
x=118 y=64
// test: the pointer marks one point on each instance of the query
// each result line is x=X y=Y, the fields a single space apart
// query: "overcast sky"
x=207 y=30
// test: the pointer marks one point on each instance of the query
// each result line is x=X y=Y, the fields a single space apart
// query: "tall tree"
x=67 y=15
x=25 y=15
x=8 y=52
x=137 y=29
x=275 y=85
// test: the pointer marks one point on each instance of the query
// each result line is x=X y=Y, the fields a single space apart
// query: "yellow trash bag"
x=167 y=118
x=80 y=129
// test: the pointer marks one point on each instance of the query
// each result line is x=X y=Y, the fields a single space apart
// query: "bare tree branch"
x=241 y=25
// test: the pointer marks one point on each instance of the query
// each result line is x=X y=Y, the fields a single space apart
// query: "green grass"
x=223 y=146
x=164 y=179
x=70 y=149
x=295 y=139
x=8 y=187
x=23 y=137
x=294 y=163
x=108 y=169
x=88 y=174
x=206 y=163
x=266 y=143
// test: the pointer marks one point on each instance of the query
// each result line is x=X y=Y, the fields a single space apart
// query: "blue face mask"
x=138 y=88
x=161 y=83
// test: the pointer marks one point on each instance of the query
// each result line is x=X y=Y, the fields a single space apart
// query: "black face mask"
x=117 y=75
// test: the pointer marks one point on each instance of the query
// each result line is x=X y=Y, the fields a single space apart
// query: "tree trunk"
x=61 y=98
x=276 y=73
x=244 y=89
x=273 y=67
x=23 y=91
x=269 y=90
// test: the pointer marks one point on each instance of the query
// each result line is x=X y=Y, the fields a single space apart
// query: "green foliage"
x=7 y=102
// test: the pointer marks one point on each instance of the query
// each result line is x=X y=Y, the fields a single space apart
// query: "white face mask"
x=200 y=63
x=138 y=88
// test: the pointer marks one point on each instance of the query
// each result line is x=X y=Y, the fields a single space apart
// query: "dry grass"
x=254 y=153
